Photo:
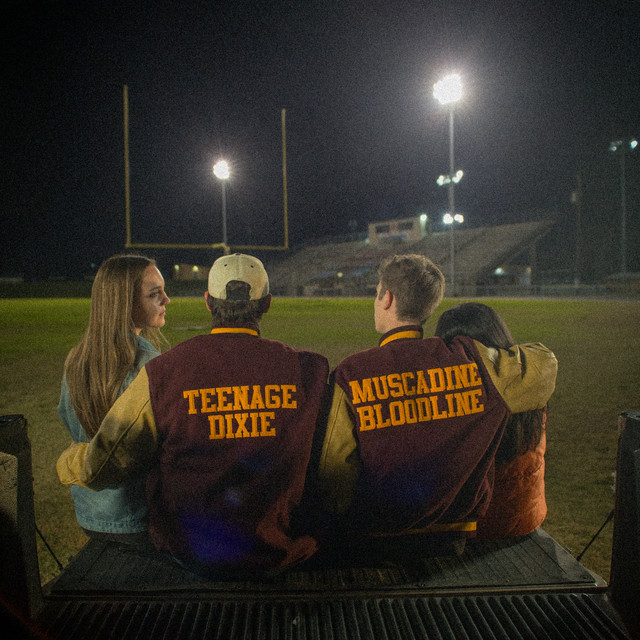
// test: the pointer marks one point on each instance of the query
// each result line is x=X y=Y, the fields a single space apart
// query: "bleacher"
x=496 y=246
x=350 y=268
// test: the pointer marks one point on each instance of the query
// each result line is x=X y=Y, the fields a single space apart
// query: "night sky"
x=547 y=86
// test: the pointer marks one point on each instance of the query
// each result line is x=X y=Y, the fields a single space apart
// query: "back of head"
x=416 y=283
x=238 y=290
x=477 y=321
x=97 y=366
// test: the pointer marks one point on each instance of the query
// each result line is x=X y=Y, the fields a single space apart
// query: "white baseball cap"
x=242 y=268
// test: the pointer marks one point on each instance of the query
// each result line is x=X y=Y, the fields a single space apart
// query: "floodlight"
x=623 y=147
x=447 y=218
x=221 y=170
x=448 y=90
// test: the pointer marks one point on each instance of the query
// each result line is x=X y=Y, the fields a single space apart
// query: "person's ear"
x=266 y=303
x=387 y=299
x=206 y=300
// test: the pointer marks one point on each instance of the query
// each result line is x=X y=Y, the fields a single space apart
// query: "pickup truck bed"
x=526 y=588
x=503 y=589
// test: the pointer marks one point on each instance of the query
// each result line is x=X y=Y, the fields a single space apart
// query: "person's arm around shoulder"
x=126 y=442
x=339 y=463
x=525 y=375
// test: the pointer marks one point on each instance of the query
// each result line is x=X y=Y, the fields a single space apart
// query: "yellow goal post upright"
x=226 y=248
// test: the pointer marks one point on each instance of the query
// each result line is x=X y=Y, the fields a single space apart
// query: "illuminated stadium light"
x=442 y=180
x=448 y=90
x=423 y=223
x=449 y=219
x=221 y=171
x=499 y=271
x=622 y=147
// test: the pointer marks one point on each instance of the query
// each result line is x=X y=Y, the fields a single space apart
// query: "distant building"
x=402 y=229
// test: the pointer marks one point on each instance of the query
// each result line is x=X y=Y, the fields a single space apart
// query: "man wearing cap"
x=223 y=423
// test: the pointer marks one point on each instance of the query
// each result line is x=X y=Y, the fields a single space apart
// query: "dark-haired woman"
x=518 y=505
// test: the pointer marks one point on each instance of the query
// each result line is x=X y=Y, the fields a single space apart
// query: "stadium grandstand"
x=484 y=258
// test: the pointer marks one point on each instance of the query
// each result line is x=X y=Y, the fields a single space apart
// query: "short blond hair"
x=416 y=283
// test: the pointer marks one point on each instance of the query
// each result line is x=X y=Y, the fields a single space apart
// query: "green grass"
x=597 y=344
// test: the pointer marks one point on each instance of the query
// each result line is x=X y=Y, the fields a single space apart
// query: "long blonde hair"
x=97 y=366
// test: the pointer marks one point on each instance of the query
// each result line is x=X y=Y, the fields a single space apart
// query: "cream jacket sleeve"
x=339 y=462
x=126 y=442
x=525 y=375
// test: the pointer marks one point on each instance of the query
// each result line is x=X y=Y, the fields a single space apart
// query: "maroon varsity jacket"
x=235 y=415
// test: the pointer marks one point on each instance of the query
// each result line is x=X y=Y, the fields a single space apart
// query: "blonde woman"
x=128 y=303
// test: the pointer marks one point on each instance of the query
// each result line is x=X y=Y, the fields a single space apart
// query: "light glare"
x=221 y=170
x=447 y=179
x=448 y=90
x=447 y=218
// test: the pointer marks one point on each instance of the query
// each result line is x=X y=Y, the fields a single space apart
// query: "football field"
x=597 y=343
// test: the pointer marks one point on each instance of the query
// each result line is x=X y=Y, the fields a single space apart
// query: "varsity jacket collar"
x=409 y=331
x=234 y=330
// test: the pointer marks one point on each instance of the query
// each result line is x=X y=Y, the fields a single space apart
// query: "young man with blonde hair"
x=408 y=456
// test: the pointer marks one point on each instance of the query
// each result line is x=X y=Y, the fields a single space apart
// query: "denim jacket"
x=121 y=509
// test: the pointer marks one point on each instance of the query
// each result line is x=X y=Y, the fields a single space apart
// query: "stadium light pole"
x=221 y=171
x=448 y=91
x=447 y=218
x=622 y=147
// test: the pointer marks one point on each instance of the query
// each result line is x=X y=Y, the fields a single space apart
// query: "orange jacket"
x=518 y=505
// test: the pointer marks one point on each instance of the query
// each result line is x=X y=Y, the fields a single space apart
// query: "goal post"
x=227 y=248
